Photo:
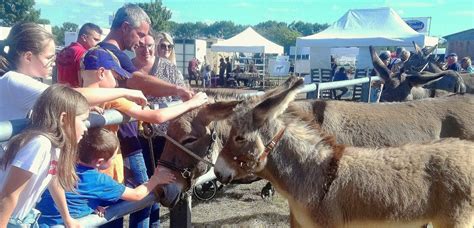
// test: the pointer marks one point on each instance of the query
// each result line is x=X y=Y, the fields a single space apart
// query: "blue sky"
x=448 y=16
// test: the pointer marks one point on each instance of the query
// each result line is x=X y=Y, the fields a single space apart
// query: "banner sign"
x=419 y=24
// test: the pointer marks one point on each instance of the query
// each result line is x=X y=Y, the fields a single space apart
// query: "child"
x=31 y=54
x=99 y=70
x=43 y=156
x=96 y=189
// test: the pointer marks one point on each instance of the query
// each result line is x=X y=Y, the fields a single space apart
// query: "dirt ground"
x=237 y=206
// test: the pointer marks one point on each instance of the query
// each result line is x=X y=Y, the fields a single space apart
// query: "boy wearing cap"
x=95 y=190
x=100 y=69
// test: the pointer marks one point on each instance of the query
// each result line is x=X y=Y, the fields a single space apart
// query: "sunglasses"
x=164 y=46
x=148 y=46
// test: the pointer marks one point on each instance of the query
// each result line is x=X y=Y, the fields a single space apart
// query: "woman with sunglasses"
x=31 y=54
x=156 y=57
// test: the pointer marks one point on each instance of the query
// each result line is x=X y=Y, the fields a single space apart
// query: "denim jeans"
x=135 y=175
x=158 y=146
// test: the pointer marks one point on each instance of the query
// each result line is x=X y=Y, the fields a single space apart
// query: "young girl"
x=43 y=156
x=29 y=52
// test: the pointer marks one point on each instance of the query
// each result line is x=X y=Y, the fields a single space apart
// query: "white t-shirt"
x=18 y=94
x=39 y=158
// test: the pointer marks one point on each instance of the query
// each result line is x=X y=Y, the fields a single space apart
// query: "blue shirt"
x=128 y=132
x=93 y=189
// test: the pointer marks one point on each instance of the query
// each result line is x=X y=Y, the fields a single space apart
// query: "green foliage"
x=58 y=32
x=307 y=29
x=13 y=11
x=278 y=32
x=158 y=14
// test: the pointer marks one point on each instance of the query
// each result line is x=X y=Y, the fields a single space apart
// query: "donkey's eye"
x=239 y=138
x=188 y=140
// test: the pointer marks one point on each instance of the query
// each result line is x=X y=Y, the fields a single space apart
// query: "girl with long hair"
x=43 y=155
x=29 y=52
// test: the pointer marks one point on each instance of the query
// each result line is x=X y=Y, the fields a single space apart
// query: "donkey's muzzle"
x=170 y=195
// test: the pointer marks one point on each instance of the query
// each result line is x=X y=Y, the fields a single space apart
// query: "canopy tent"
x=364 y=27
x=248 y=41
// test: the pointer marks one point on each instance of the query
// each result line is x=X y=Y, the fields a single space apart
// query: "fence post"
x=180 y=215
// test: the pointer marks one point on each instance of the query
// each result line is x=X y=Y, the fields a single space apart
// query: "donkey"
x=330 y=185
x=402 y=86
x=194 y=131
x=423 y=61
x=356 y=124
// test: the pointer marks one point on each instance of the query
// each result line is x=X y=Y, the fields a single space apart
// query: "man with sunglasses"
x=129 y=28
x=68 y=60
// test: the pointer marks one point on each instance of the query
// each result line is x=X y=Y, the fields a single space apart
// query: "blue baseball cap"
x=96 y=58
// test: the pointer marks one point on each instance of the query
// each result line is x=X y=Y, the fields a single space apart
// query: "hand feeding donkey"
x=356 y=124
x=192 y=130
x=328 y=185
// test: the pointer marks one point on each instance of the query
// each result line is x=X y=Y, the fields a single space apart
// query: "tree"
x=158 y=14
x=223 y=29
x=278 y=32
x=58 y=32
x=306 y=28
x=13 y=11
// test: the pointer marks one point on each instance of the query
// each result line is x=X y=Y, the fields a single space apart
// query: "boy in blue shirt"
x=95 y=189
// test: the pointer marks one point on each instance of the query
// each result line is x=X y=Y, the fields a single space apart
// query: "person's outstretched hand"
x=163 y=175
x=184 y=93
x=136 y=96
x=198 y=100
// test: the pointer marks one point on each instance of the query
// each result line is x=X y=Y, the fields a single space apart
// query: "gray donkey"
x=329 y=185
x=404 y=86
x=355 y=124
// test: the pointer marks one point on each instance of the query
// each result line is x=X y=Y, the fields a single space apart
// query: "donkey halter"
x=186 y=173
x=268 y=149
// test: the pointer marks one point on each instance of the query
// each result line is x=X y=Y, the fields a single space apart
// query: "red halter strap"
x=271 y=145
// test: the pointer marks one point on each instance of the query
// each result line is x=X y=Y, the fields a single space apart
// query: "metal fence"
x=111 y=117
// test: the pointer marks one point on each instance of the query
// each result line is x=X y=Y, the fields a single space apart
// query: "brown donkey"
x=356 y=124
x=328 y=185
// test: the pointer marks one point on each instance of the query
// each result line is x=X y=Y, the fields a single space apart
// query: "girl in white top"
x=43 y=156
x=31 y=53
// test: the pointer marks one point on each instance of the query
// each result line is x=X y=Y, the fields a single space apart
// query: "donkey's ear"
x=275 y=105
x=379 y=65
x=428 y=50
x=417 y=48
x=286 y=85
x=216 y=111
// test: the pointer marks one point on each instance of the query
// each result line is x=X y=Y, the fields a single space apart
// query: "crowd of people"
x=57 y=160
x=395 y=62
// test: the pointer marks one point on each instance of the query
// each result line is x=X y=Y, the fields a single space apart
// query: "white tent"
x=247 y=41
x=361 y=28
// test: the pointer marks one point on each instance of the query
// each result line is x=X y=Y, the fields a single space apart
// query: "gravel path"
x=237 y=206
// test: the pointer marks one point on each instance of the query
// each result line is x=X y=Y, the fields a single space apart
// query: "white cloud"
x=400 y=12
x=44 y=2
x=463 y=13
x=92 y=3
x=281 y=10
x=335 y=7
x=413 y=4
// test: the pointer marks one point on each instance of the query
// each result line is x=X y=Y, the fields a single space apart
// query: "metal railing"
x=111 y=117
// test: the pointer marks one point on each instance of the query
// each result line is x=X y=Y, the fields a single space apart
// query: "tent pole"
x=294 y=64
x=264 y=68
